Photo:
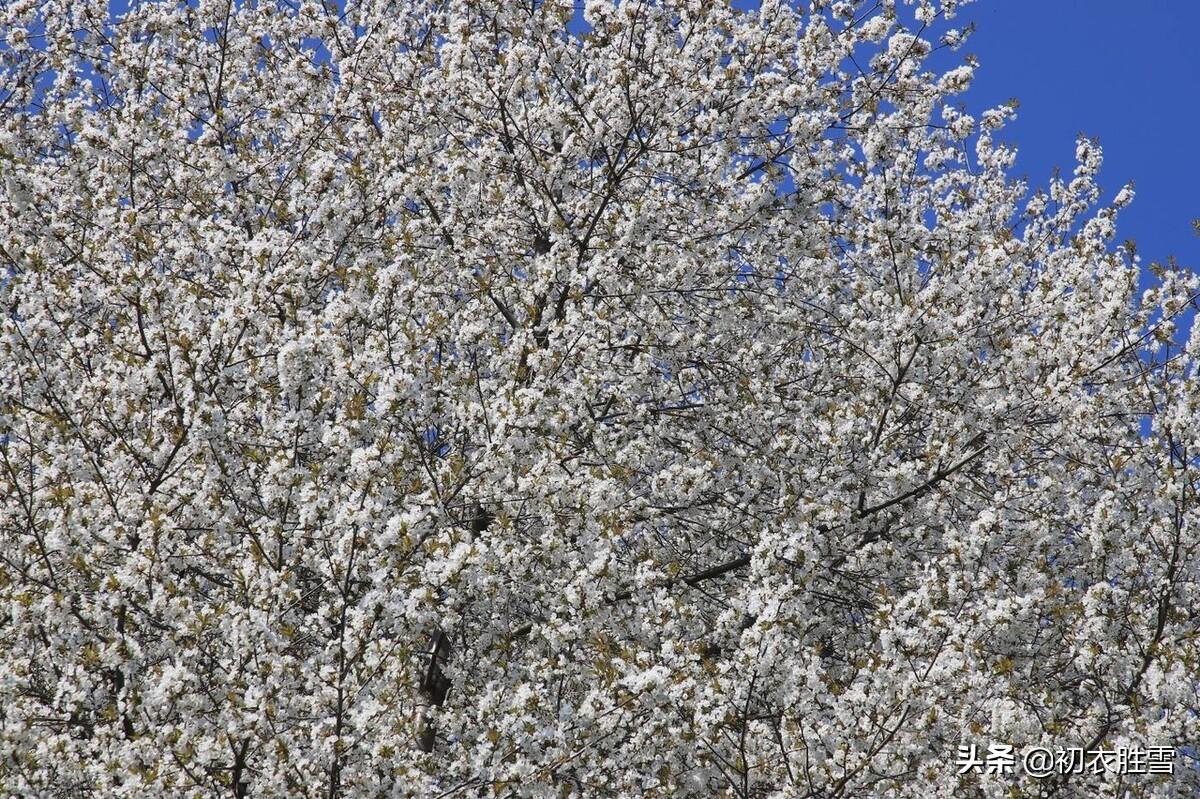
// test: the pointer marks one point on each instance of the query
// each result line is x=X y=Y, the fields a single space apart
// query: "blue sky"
x=1125 y=73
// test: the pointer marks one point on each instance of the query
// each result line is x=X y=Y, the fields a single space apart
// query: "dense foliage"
x=454 y=399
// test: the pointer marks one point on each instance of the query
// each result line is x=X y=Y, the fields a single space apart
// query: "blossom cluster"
x=494 y=398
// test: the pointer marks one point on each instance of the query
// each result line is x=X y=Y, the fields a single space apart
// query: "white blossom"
x=433 y=399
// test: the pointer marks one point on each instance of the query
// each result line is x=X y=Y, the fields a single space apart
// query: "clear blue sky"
x=1126 y=73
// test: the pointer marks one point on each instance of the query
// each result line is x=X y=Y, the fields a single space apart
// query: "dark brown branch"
x=711 y=573
x=928 y=485
x=435 y=685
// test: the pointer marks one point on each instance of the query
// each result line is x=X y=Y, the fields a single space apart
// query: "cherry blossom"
x=468 y=398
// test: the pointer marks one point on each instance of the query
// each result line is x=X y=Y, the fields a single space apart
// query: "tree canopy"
x=499 y=399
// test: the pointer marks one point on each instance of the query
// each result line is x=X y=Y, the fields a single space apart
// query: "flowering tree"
x=450 y=399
